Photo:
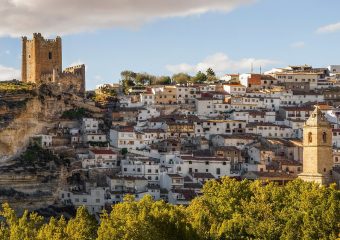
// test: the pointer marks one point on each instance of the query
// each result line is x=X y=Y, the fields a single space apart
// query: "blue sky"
x=270 y=33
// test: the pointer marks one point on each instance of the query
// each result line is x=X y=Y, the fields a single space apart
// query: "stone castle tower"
x=42 y=63
x=317 y=149
x=40 y=57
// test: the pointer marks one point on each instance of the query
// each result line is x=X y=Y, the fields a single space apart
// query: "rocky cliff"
x=27 y=115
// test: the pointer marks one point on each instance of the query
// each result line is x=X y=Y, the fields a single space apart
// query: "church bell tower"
x=317 y=149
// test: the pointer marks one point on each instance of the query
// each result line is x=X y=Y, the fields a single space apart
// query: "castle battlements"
x=74 y=67
x=42 y=64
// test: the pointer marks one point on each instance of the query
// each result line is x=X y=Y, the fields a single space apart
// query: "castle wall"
x=42 y=64
x=40 y=56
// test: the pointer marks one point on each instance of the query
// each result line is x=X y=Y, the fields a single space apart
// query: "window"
x=218 y=171
x=149 y=170
x=207 y=163
x=85 y=200
x=310 y=138
x=190 y=162
x=49 y=55
x=324 y=137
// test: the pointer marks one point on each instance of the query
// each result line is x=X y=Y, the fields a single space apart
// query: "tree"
x=210 y=72
x=227 y=209
x=163 y=80
x=128 y=75
x=127 y=83
x=145 y=219
x=83 y=226
x=211 y=76
x=250 y=210
x=145 y=79
x=54 y=230
x=181 y=78
x=124 y=151
x=25 y=227
x=200 y=77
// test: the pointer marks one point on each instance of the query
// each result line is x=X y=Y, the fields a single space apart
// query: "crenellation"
x=42 y=64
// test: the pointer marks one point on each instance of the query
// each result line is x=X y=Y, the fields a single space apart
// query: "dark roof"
x=265 y=124
x=202 y=175
x=188 y=194
x=238 y=136
x=102 y=151
x=199 y=158
x=193 y=185
x=127 y=177
x=271 y=175
x=174 y=175
x=227 y=148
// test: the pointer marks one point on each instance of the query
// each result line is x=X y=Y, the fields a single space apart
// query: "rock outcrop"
x=39 y=112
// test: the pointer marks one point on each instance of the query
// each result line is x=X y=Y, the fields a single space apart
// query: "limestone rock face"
x=38 y=113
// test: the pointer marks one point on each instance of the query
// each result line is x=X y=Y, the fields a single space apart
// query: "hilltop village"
x=163 y=136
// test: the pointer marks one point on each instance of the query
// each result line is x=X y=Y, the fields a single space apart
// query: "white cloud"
x=299 y=44
x=220 y=63
x=329 y=28
x=22 y=17
x=9 y=73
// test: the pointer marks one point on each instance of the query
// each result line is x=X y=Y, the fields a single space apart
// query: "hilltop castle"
x=42 y=64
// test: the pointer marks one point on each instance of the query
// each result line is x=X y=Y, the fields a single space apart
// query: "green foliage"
x=124 y=151
x=248 y=210
x=128 y=75
x=181 y=78
x=82 y=227
x=76 y=113
x=35 y=158
x=227 y=209
x=200 y=77
x=145 y=219
x=15 y=87
x=210 y=72
x=163 y=80
x=105 y=94
x=130 y=79
x=144 y=79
